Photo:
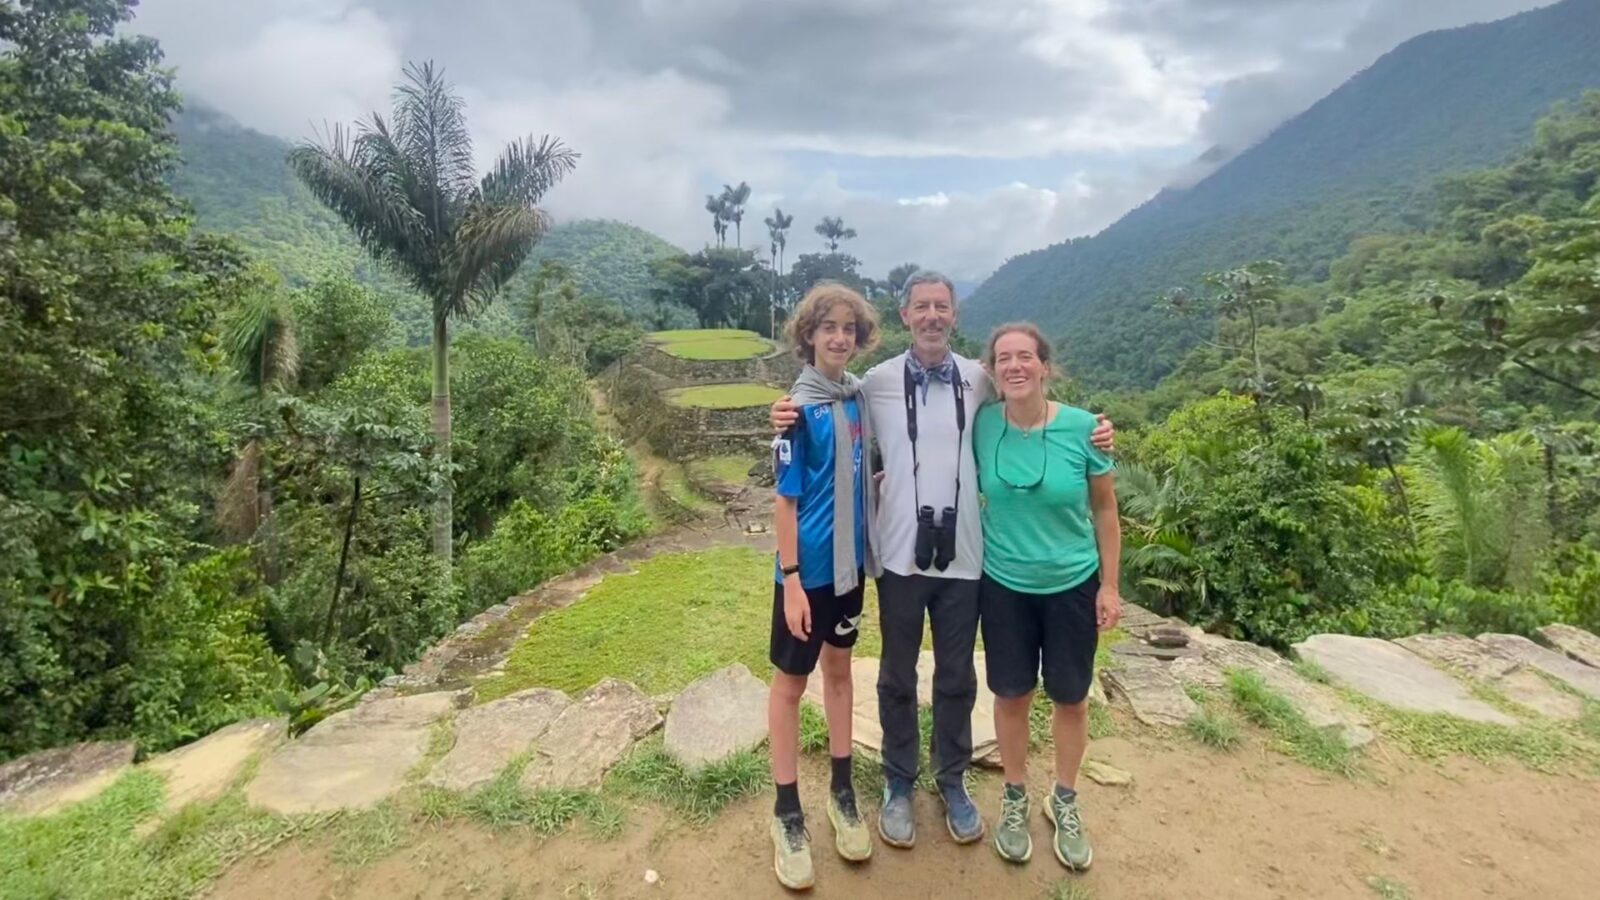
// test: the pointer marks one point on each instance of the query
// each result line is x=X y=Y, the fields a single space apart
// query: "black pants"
x=951 y=605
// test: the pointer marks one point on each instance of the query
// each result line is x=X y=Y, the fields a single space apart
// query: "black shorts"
x=835 y=620
x=1023 y=633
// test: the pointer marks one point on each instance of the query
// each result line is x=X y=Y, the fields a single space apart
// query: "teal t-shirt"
x=1038 y=539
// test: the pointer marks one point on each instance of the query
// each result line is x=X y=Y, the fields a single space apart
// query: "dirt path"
x=1197 y=824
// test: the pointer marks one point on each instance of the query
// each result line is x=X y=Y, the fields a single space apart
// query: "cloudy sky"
x=954 y=134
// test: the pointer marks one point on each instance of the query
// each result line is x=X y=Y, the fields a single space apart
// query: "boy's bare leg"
x=838 y=698
x=783 y=725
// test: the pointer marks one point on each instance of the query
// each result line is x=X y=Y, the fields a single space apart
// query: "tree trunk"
x=1400 y=490
x=344 y=559
x=443 y=536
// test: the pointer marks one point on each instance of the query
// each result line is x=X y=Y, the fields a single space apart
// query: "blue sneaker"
x=896 y=824
x=961 y=814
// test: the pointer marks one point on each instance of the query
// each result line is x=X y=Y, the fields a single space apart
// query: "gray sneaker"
x=961 y=815
x=1011 y=837
x=791 y=852
x=896 y=824
x=1071 y=844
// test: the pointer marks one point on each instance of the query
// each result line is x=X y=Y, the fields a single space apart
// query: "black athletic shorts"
x=835 y=620
x=1024 y=633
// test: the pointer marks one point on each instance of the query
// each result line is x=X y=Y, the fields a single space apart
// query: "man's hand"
x=1107 y=607
x=785 y=413
x=796 y=608
x=1104 y=436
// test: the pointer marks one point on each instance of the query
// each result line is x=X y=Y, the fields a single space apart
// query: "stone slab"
x=489 y=736
x=1105 y=774
x=717 y=716
x=1574 y=642
x=205 y=769
x=1395 y=676
x=1320 y=705
x=352 y=759
x=865 y=730
x=591 y=736
x=1581 y=678
x=49 y=780
x=1461 y=655
x=1474 y=659
x=1151 y=689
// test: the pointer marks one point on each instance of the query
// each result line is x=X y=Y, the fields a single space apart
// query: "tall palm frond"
x=491 y=243
x=365 y=183
x=525 y=170
x=1478 y=506
x=431 y=130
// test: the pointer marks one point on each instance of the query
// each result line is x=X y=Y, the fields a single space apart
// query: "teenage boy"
x=821 y=520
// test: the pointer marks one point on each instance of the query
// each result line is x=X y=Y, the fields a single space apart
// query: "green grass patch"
x=362 y=838
x=1541 y=746
x=1589 y=720
x=813 y=729
x=733 y=470
x=711 y=343
x=724 y=396
x=1069 y=889
x=1387 y=888
x=1101 y=723
x=1310 y=671
x=1214 y=729
x=711 y=608
x=1293 y=735
x=650 y=773
x=92 y=849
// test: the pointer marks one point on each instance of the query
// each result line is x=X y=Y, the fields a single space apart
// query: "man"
x=922 y=406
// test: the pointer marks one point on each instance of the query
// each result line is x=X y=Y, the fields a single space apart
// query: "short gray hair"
x=926 y=276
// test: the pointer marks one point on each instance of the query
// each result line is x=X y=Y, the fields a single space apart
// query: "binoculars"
x=936 y=541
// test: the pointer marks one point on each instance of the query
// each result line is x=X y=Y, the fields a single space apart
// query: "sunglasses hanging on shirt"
x=1044 y=448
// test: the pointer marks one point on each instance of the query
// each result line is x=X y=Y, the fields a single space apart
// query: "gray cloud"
x=668 y=98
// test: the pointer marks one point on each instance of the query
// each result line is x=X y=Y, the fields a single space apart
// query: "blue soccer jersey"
x=803 y=463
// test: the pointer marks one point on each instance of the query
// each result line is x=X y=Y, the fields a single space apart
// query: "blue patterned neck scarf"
x=924 y=375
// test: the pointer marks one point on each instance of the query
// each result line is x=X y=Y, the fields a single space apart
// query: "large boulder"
x=591 y=736
x=205 y=769
x=716 y=717
x=49 y=780
x=1574 y=642
x=353 y=759
x=1393 y=675
x=1475 y=660
x=1581 y=678
x=488 y=736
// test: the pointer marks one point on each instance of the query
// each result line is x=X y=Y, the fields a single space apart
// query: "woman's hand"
x=1107 y=607
x=796 y=608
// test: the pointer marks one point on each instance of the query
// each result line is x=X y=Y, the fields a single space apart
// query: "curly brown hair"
x=815 y=306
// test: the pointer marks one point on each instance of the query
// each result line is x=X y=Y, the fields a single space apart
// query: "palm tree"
x=1160 y=550
x=833 y=231
x=898 y=277
x=733 y=201
x=260 y=342
x=408 y=191
x=778 y=230
x=718 y=207
x=1478 y=506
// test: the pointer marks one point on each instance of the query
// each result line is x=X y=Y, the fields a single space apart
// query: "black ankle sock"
x=788 y=799
x=841 y=774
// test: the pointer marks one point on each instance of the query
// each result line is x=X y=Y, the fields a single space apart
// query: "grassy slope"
x=724 y=396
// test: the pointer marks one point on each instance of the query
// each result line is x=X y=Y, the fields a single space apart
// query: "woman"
x=1049 y=587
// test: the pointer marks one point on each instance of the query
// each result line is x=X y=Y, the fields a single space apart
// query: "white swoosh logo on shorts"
x=845 y=628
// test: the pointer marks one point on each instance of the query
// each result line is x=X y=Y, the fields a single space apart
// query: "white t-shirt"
x=937 y=450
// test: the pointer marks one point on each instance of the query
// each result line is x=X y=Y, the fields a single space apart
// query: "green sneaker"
x=791 y=852
x=1011 y=838
x=850 y=835
x=1072 y=845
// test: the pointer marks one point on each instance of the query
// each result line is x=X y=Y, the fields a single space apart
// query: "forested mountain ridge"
x=239 y=184
x=1357 y=162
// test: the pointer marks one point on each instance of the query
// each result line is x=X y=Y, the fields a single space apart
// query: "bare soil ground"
x=1196 y=824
